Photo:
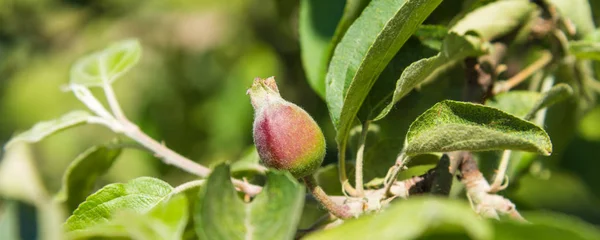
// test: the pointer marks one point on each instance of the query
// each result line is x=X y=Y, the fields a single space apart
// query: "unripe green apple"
x=286 y=137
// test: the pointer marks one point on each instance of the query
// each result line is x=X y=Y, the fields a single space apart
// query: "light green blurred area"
x=188 y=90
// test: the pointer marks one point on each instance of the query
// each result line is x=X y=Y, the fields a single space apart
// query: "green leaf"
x=546 y=226
x=105 y=66
x=273 y=214
x=585 y=49
x=138 y=195
x=455 y=126
x=410 y=219
x=43 y=129
x=363 y=53
x=317 y=25
x=167 y=220
x=352 y=10
x=454 y=48
x=432 y=35
x=81 y=175
x=515 y=102
x=557 y=93
x=495 y=19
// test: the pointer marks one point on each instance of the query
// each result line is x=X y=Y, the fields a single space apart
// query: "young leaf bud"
x=286 y=137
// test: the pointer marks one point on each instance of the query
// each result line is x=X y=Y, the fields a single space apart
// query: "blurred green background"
x=199 y=57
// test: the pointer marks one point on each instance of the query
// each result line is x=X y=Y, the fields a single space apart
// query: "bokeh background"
x=199 y=57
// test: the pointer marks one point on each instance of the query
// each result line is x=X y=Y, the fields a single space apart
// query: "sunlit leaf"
x=105 y=66
x=453 y=126
x=495 y=19
x=138 y=195
x=454 y=48
x=364 y=51
x=273 y=214
x=412 y=218
x=546 y=226
x=43 y=129
x=166 y=220
x=81 y=175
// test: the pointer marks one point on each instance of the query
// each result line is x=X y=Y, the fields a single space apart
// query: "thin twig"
x=186 y=186
x=114 y=105
x=340 y=211
x=524 y=74
x=359 y=159
x=500 y=175
x=342 y=171
x=539 y=120
x=393 y=173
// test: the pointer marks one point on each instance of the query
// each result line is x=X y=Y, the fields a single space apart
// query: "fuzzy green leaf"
x=81 y=175
x=455 y=126
x=138 y=195
x=43 y=129
x=317 y=25
x=495 y=19
x=105 y=66
x=273 y=214
x=411 y=219
x=556 y=94
x=454 y=48
x=364 y=51
x=166 y=220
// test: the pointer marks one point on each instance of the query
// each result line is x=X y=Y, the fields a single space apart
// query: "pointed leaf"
x=273 y=214
x=43 y=129
x=495 y=19
x=411 y=219
x=105 y=66
x=81 y=175
x=456 y=126
x=454 y=48
x=138 y=195
x=317 y=24
x=364 y=51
